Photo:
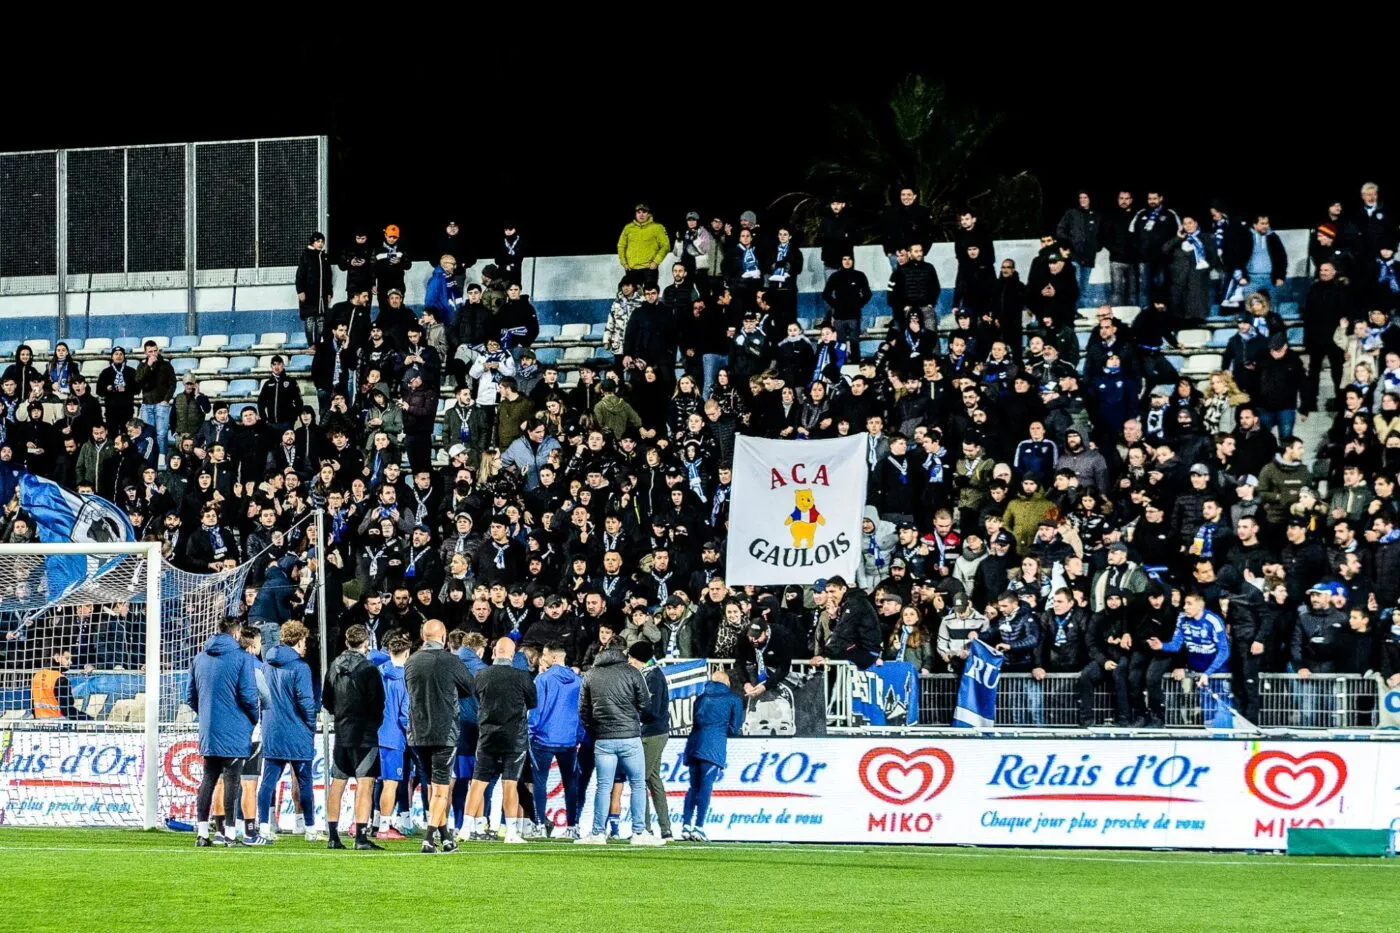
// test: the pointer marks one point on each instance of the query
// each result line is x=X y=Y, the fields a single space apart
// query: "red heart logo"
x=930 y=767
x=184 y=766
x=1324 y=773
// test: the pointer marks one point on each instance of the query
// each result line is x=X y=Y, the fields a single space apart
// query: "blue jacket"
x=1021 y=635
x=467 y=706
x=393 y=731
x=554 y=722
x=1035 y=458
x=289 y=715
x=1207 y=648
x=719 y=715
x=443 y=294
x=656 y=718
x=224 y=694
x=274 y=600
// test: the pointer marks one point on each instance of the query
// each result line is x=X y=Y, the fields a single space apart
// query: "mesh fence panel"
x=29 y=214
x=96 y=211
x=155 y=221
x=225 y=206
x=288 y=199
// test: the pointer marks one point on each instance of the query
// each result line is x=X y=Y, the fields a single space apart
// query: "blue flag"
x=62 y=516
x=977 y=693
x=887 y=695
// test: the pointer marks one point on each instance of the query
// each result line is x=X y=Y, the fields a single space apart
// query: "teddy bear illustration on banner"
x=804 y=520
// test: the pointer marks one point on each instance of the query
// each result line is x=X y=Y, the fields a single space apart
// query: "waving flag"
x=977 y=693
x=61 y=516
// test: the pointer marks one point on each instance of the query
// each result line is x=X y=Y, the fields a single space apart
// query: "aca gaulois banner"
x=1186 y=794
x=796 y=510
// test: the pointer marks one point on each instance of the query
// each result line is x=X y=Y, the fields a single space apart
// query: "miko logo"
x=184 y=766
x=902 y=778
x=1288 y=783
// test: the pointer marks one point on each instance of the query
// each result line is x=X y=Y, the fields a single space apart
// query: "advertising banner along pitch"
x=796 y=510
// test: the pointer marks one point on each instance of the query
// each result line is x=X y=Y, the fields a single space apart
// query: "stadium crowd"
x=1087 y=511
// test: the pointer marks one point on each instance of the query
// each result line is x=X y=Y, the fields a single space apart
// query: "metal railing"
x=837 y=682
x=1322 y=701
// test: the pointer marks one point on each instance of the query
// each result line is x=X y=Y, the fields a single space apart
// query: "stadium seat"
x=1083 y=338
x=549 y=355
x=295 y=342
x=97 y=345
x=1220 y=338
x=183 y=364
x=301 y=363
x=1295 y=336
x=577 y=355
x=235 y=411
x=213 y=341
x=7 y=349
x=265 y=362
x=869 y=347
x=1193 y=338
x=239 y=365
x=1201 y=364
x=1289 y=310
x=210 y=365
x=40 y=347
x=91 y=368
x=805 y=323
x=1178 y=361
x=162 y=342
x=850 y=370
x=239 y=388
x=95 y=704
x=442 y=405
x=603 y=356
x=574 y=331
x=241 y=342
x=214 y=388
x=596 y=331
x=549 y=331
x=183 y=343
x=271 y=341
x=882 y=323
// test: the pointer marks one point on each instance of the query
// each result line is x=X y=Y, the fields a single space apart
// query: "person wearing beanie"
x=642 y=245
x=314 y=286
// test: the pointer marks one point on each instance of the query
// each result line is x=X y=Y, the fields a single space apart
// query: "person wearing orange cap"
x=390 y=263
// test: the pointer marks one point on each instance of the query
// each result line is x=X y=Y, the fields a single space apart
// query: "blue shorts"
x=466 y=764
x=390 y=764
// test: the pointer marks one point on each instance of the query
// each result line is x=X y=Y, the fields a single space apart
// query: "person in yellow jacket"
x=50 y=694
x=643 y=245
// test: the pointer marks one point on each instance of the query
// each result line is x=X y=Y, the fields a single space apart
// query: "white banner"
x=1184 y=794
x=796 y=510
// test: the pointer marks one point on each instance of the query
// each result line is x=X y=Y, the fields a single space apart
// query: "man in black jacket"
x=435 y=680
x=855 y=631
x=390 y=263
x=847 y=293
x=914 y=289
x=279 y=399
x=1328 y=303
x=1150 y=229
x=354 y=695
x=505 y=695
x=837 y=237
x=656 y=731
x=357 y=262
x=1117 y=237
x=610 y=705
x=906 y=223
x=764 y=658
x=314 y=287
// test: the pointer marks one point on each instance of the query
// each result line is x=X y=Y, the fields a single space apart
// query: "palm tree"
x=924 y=140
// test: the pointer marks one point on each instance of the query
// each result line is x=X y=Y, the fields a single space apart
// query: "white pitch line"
x=471 y=850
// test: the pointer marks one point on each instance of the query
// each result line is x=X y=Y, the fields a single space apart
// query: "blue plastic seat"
x=596 y=331
x=549 y=331
x=300 y=363
x=549 y=356
x=604 y=356
x=295 y=342
x=1295 y=335
x=242 y=387
x=183 y=343
x=235 y=410
x=239 y=365
x=241 y=342
x=1220 y=337
x=183 y=364
x=868 y=348
x=7 y=349
x=1289 y=310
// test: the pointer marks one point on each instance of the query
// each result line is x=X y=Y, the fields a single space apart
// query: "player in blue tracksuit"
x=288 y=728
x=718 y=716
x=555 y=733
x=223 y=692
x=1037 y=456
x=1202 y=633
x=393 y=730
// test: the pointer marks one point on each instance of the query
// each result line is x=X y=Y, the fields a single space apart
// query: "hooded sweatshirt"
x=1024 y=514
x=876 y=549
x=224 y=693
x=554 y=722
x=289 y=710
x=1279 y=485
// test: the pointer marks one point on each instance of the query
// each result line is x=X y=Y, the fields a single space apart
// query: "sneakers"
x=219 y=841
x=203 y=842
x=514 y=838
x=428 y=848
x=482 y=837
x=592 y=839
x=647 y=839
x=367 y=845
x=570 y=832
x=314 y=835
x=257 y=841
x=687 y=834
x=698 y=835
x=449 y=845
x=334 y=843
x=390 y=833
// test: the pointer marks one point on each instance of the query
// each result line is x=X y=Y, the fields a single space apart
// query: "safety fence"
x=1286 y=701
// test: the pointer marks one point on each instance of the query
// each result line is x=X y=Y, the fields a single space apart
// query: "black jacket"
x=314 y=281
x=1327 y=303
x=847 y=291
x=1280 y=382
x=388 y=274
x=1116 y=236
x=354 y=695
x=837 y=238
x=651 y=335
x=279 y=400
x=778 y=654
x=905 y=226
x=435 y=680
x=914 y=285
x=613 y=696
x=1148 y=243
x=505 y=693
x=1072 y=653
x=855 y=627
x=361 y=276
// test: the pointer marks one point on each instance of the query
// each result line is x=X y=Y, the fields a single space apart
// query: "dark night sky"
x=568 y=151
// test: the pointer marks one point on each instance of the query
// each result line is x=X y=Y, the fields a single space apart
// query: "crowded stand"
x=1110 y=486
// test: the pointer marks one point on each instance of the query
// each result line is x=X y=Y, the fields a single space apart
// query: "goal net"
x=96 y=643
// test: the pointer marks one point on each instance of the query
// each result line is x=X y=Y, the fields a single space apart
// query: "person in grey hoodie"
x=877 y=543
x=610 y=705
x=1087 y=463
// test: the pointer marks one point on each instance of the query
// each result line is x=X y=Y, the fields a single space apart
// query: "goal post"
x=96 y=642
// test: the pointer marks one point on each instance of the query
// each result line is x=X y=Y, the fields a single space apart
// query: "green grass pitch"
x=81 y=880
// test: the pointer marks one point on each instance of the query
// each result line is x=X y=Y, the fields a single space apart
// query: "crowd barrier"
x=1174 y=792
